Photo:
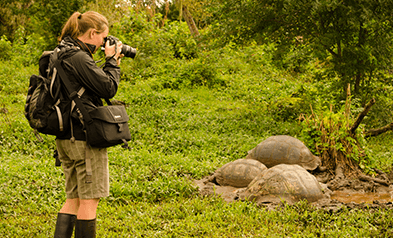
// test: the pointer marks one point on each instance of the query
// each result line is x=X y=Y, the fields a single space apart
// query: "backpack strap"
x=58 y=111
x=52 y=82
x=56 y=95
x=73 y=104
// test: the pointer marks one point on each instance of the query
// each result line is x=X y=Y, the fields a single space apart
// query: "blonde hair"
x=78 y=24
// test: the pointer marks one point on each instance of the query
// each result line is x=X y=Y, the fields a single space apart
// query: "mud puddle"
x=360 y=197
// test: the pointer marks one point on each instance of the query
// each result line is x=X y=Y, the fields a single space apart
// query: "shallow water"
x=347 y=197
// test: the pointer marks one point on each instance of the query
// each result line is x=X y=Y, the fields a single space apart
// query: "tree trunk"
x=358 y=78
x=190 y=21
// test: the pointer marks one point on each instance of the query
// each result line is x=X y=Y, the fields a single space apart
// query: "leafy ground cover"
x=182 y=130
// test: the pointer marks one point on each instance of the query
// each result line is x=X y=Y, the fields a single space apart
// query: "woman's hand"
x=111 y=51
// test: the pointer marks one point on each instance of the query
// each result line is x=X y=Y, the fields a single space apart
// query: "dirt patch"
x=362 y=193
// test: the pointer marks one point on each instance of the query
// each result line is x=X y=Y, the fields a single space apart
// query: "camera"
x=126 y=50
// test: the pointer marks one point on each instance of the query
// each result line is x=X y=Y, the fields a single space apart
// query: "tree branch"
x=361 y=116
x=378 y=131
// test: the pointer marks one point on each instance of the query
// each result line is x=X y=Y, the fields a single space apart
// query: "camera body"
x=126 y=50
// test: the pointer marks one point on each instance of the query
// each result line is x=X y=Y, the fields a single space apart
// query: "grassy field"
x=182 y=131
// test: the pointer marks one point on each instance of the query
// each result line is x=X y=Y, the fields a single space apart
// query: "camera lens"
x=128 y=51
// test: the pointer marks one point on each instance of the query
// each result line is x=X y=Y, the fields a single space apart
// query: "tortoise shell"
x=239 y=173
x=284 y=149
x=291 y=183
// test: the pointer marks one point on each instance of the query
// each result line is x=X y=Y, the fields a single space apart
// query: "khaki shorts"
x=72 y=156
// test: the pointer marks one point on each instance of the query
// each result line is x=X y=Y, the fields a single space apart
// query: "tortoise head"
x=310 y=161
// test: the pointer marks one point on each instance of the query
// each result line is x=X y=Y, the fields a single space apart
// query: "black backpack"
x=47 y=108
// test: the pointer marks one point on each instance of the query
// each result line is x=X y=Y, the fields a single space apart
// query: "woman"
x=81 y=36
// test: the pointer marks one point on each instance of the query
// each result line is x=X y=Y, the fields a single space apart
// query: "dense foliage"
x=352 y=37
x=194 y=105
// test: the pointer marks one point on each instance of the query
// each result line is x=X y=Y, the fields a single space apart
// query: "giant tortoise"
x=283 y=149
x=238 y=173
x=291 y=183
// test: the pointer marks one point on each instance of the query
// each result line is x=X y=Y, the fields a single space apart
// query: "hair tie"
x=80 y=16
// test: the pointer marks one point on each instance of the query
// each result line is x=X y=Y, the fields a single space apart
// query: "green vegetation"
x=194 y=105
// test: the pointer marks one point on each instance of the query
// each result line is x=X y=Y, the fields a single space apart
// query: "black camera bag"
x=109 y=126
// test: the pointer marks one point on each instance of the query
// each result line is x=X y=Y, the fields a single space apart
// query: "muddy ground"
x=362 y=193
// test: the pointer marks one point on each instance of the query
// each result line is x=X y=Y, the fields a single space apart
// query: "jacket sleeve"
x=102 y=81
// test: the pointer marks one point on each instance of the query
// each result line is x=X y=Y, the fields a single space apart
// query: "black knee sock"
x=64 y=225
x=85 y=228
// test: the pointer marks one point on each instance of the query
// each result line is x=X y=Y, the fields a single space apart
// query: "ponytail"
x=78 y=24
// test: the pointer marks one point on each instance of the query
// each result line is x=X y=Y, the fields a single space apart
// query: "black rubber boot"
x=85 y=228
x=64 y=225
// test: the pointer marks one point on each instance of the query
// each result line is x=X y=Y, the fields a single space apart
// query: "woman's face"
x=96 y=38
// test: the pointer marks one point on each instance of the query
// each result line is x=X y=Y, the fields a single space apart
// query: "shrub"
x=27 y=49
x=5 y=48
x=156 y=46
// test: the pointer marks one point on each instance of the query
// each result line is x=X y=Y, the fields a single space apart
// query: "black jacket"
x=82 y=71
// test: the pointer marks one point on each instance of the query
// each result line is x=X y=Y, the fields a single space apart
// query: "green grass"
x=178 y=135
